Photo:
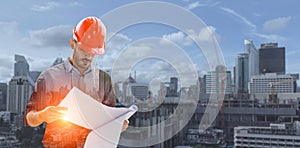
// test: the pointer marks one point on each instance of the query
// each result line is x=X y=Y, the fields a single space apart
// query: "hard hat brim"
x=87 y=48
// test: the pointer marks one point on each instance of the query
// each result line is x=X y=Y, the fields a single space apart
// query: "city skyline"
x=161 y=110
x=42 y=31
x=164 y=54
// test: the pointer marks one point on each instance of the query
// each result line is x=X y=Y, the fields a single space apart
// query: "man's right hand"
x=49 y=114
x=52 y=113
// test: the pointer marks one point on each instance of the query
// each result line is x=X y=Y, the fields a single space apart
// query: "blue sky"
x=40 y=30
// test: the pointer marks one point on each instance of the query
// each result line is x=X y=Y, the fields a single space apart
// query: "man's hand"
x=52 y=113
x=49 y=114
x=125 y=125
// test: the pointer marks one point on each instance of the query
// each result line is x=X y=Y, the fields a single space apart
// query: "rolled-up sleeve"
x=40 y=98
x=107 y=90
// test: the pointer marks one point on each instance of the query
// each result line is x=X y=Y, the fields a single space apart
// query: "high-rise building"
x=20 y=86
x=242 y=73
x=296 y=77
x=139 y=90
x=34 y=75
x=271 y=59
x=20 y=90
x=213 y=81
x=276 y=135
x=173 y=87
x=131 y=88
x=201 y=84
x=3 y=96
x=263 y=83
x=253 y=57
x=21 y=67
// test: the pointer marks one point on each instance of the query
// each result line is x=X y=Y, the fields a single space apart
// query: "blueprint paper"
x=105 y=122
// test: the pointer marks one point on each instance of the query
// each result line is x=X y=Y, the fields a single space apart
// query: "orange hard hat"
x=89 y=34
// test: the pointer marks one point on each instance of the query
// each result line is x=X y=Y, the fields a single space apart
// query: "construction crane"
x=273 y=97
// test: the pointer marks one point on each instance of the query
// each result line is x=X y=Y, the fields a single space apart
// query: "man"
x=55 y=83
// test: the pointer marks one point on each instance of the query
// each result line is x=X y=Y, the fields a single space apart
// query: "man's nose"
x=88 y=55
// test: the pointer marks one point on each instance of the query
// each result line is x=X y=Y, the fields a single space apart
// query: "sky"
x=41 y=30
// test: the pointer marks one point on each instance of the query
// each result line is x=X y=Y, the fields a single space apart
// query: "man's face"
x=82 y=59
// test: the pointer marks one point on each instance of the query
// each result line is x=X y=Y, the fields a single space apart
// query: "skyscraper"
x=263 y=83
x=3 y=95
x=201 y=84
x=271 y=59
x=173 y=86
x=34 y=75
x=21 y=67
x=253 y=57
x=242 y=73
x=213 y=81
x=20 y=86
x=276 y=135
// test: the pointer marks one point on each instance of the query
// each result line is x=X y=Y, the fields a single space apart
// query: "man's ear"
x=72 y=44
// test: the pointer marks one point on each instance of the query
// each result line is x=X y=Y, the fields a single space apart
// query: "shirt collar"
x=70 y=67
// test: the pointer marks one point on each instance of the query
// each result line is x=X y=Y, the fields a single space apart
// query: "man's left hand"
x=125 y=125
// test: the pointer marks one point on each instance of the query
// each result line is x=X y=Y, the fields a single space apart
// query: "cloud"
x=271 y=37
x=8 y=28
x=194 y=5
x=240 y=17
x=178 y=37
x=203 y=3
x=293 y=67
x=118 y=41
x=276 y=25
x=153 y=68
x=215 y=4
x=292 y=53
x=170 y=60
x=270 y=26
x=9 y=34
x=257 y=14
x=57 y=36
x=113 y=48
x=10 y=37
x=39 y=64
x=35 y=63
x=76 y=4
x=204 y=35
x=150 y=69
x=6 y=68
x=47 y=6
